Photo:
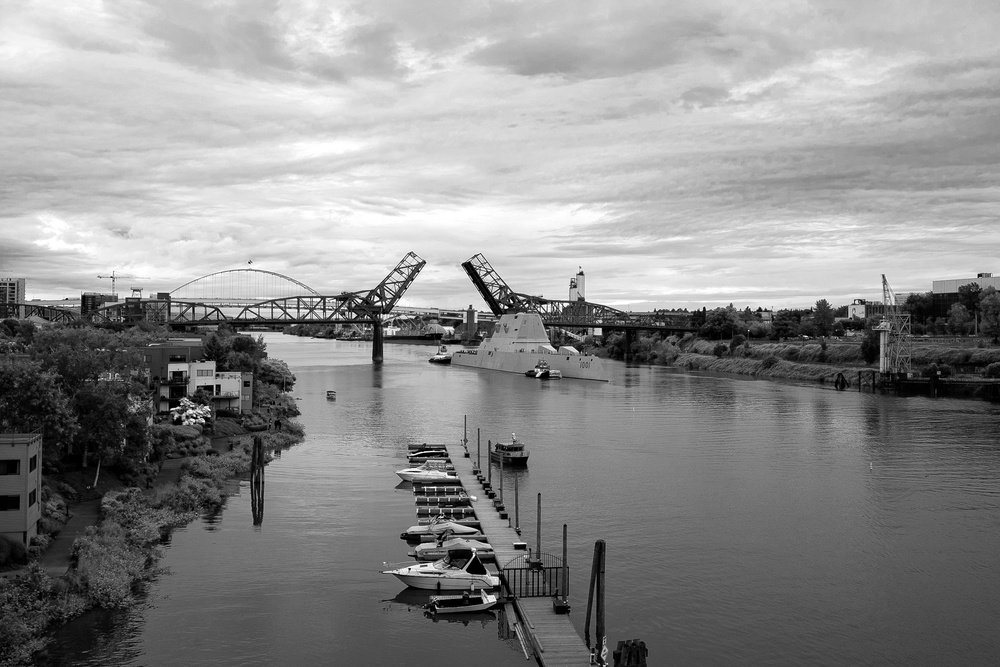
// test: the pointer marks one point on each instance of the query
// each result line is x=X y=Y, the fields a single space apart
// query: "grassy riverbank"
x=115 y=559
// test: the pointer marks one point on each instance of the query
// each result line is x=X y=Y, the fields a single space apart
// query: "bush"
x=993 y=370
x=769 y=362
x=720 y=350
x=12 y=552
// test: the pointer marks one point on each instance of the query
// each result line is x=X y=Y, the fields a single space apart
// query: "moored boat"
x=461 y=604
x=440 y=548
x=437 y=526
x=331 y=395
x=510 y=453
x=431 y=470
x=519 y=340
x=459 y=570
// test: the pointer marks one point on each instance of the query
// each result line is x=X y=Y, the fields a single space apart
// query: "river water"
x=747 y=522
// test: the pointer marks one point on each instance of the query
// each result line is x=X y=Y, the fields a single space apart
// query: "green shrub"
x=12 y=552
x=993 y=370
x=769 y=361
x=720 y=349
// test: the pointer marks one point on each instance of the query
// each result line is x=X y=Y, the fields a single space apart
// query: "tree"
x=30 y=399
x=919 y=306
x=720 y=323
x=276 y=372
x=870 y=346
x=958 y=319
x=989 y=306
x=785 y=325
x=823 y=318
x=103 y=414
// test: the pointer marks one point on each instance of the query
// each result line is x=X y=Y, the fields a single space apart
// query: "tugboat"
x=442 y=356
x=510 y=453
x=543 y=371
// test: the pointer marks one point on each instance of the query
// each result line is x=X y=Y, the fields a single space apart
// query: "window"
x=205 y=372
x=246 y=397
x=10 y=467
x=8 y=503
x=33 y=463
x=32 y=497
x=246 y=383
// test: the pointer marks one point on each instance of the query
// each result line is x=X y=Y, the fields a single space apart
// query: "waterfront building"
x=944 y=293
x=20 y=485
x=177 y=369
x=91 y=301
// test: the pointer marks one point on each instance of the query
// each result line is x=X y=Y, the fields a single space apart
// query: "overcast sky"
x=764 y=153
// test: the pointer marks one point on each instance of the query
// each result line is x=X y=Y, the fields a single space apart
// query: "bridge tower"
x=381 y=299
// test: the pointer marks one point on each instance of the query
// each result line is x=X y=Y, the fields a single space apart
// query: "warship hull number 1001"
x=519 y=342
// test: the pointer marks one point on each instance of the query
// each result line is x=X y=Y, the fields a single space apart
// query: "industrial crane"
x=894 y=334
x=115 y=277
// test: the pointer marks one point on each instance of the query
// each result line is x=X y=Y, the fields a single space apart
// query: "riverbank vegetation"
x=808 y=344
x=88 y=392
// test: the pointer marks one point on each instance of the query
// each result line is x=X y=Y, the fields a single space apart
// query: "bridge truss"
x=501 y=299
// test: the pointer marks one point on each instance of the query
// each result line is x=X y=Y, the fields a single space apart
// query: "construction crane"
x=114 y=278
x=895 y=338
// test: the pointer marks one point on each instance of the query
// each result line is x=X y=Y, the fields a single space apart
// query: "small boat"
x=437 y=526
x=441 y=548
x=331 y=395
x=460 y=570
x=465 y=603
x=510 y=453
x=424 y=454
x=543 y=371
x=431 y=470
x=442 y=356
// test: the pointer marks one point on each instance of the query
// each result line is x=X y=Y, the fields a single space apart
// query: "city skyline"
x=698 y=154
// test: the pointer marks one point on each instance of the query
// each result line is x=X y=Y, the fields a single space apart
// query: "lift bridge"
x=579 y=314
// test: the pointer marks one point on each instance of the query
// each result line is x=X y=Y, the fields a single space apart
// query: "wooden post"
x=465 y=434
x=257 y=481
x=517 y=517
x=479 y=466
x=601 y=639
x=538 y=532
x=565 y=567
x=501 y=480
x=489 y=464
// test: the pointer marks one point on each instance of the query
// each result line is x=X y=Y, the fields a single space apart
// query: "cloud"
x=683 y=153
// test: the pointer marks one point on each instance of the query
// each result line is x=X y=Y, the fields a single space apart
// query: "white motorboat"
x=438 y=526
x=442 y=356
x=467 y=602
x=441 y=548
x=460 y=570
x=431 y=470
x=543 y=371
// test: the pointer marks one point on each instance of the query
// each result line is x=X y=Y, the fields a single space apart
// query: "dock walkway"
x=550 y=635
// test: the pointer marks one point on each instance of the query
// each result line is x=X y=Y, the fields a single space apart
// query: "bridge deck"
x=552 y=636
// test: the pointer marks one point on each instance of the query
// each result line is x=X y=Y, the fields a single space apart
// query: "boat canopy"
x=465 y=559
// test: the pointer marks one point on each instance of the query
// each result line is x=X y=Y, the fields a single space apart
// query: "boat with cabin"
x=431 y=470
x=510 y=453
x=459 y=570
x=444 y=544
x=442 y=356
x=438 y=526
x=517 y=343
x=543 y=371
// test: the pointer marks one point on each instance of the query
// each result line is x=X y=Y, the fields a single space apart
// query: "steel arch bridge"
x=237 y=287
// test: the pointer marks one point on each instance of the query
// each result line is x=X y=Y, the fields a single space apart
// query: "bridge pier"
x=629 y=340
x=377 y=351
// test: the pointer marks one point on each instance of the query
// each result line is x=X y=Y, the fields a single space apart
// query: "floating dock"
x=541 y=623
